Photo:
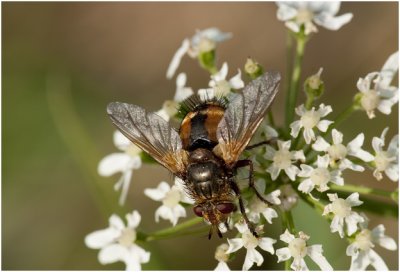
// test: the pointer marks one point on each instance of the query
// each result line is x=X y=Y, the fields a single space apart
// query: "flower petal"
x=332 y=23
x=320 y=144
x=360 y=261
x=376 y=261
x=112 y=253
x=283 y=254
x=295 y=128
x=100 y=238
x=222 y=266
x=389 y=69
x=133 y=219
x=286 y=237
x=266 y=244
x=315 y=253
x=159 y=193
x=252 y=256
x=234 y=245
x=352 y=221
x=176 y=59
x=354 y=200
x=113 y=163
x=337 y=137
x=236 y=82
x=323 y=125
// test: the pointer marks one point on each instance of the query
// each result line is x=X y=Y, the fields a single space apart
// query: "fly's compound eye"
x=198 y=210
x=225 y=208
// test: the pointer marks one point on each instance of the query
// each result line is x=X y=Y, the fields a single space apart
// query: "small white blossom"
x=361 y=250
x=318 y=177
x=381 y=95
x=386 y=161
x=341 y=208
x=256 y=207
x=309 y=119
x=297 y=249
x=117 y=242
x=222 y=257
x=170 y=107
x=124 y=162
x=250 y=242
x=220 y=86
x=288 y=197
x=171 y=209
x=282 y=159
x=203 y=41
x=305 y=13
x=338 y=152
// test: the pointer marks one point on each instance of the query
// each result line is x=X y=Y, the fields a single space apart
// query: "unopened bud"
x=252 y=68
x=314 y=86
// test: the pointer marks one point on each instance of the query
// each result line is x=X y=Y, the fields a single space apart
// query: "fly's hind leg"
x=244 y=163
x=242 y=209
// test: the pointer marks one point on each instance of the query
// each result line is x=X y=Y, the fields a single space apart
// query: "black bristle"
x=194 y=102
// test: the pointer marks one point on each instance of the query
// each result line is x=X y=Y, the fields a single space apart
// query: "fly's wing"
x=243 y=116
x=151 y=133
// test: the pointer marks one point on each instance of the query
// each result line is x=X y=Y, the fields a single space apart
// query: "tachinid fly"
x=205 y=153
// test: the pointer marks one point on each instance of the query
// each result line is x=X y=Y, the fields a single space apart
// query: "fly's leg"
x=244 y=163
x=267 y=142
x=242 y=210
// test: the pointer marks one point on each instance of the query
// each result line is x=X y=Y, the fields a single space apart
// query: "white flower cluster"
x=308 y=163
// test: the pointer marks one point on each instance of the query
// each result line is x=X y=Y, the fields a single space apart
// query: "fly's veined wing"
x=243 y=116
x=151 y=133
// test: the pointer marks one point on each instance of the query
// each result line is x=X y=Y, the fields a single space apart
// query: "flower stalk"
x=293 y=88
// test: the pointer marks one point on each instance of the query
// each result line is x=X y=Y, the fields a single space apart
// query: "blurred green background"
x=55 y=133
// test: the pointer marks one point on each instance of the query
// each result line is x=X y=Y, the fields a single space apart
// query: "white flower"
x=361 y=250
x=341 y=208
x=338 y=152
x=117 y=242
x=305 y=13
x=386 y=161
x=297 y=249
x=171 y=209
x=124 y=162
x=170 y=107
x=318 y=177
x=256 y=207
x=288 y=197
x=222 y=257
x=220 y=86
x=310 y=119
x=282 y=159
x=250 y=242
x=381 y=96
x=203 y=41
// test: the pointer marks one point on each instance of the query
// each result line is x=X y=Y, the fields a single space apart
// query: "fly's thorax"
x=206 y=175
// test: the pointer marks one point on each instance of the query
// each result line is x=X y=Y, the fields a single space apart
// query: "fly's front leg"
x=244 y=163
x=267 y=142
x=242 y=209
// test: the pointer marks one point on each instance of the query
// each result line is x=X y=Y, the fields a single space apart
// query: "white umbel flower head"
x=361 y=249
x=203 y=41
x=297 y=249
x=171 y=209
x=380 y=95
x=305 y=13
x=386 y=161
x=220 y=86
x=256 y=207
x=338 y=152
x=170 y=107
x=318 y=177
x=309 y=119
x=250 y=242
x=124 y=162
x=117 y=242
x=341 y=208
x=282 y=159
x=222 y=257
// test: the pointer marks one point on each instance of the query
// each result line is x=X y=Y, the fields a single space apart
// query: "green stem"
x=271 y=118
x=287 y=222
x=174 y=231
x=309 y=101
x=291 y=97
x=360 y=189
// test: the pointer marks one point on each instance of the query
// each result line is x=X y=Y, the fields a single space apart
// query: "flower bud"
x=314 y=86
x=252 y=68
x=206 y=54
